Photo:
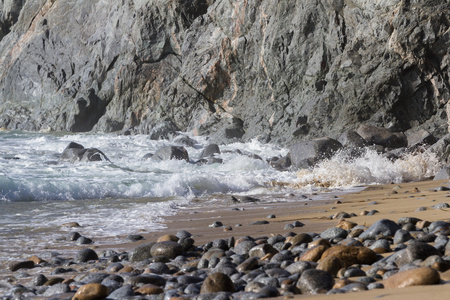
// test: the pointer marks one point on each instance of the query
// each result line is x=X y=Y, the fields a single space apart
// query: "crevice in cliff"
x=207 y=100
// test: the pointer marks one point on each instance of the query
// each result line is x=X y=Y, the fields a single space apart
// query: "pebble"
x=91 y=291
x=414 y=277
x=248 y=268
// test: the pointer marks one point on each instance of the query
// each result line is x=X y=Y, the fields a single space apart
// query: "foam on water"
x=128 y=195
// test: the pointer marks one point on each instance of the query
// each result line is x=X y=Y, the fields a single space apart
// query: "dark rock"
x=354 y=272
x=86 y=255
x=134 y=237
x=305 y=154
x=122 y=293
x=168 y=249
x=243 y=248
x=94 y=278
x=39 y=280
x=73 y=236
x=17 y=265
x=82 y=240
x=351 y=139
x=260 y=222
x=171 y=152
x=415 y=250
x=315 y=281
x=145 y=279
x=420 y=137
x=59 y=288
x=282 y=163
x=210 y=150
x=382 y=136
x=382 y=228
x=248 y=265
x=401 y=236
x=77 y=153
x=300 y=266
x=141 y=252
x=217 y=282
x=182 y=234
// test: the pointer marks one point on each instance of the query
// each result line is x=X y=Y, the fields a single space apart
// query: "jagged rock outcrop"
x=284 y=71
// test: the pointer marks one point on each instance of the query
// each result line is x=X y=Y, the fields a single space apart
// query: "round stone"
x=168 y=249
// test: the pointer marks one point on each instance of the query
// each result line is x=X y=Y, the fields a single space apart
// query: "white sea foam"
x=371 y=167
x=128 y=195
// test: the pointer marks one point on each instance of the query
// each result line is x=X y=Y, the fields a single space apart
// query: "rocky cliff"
x=279 y=70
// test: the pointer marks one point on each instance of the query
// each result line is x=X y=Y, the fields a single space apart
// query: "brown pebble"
x=331 y=264
x=36 y=260
x=168 y=238
x=414 y=277
x=126 y=269
x=217 y=282
x=318 y=242
x=91 y=291
x=150 y=289
x=352 y=255
x=227 y=228
x=422 y=224
x=339 y=284
x=380 y=250
x=314 y=254
x=356 y=232
x=346 y=224
x=363 y=213
x=338 y=202
x=53 y=281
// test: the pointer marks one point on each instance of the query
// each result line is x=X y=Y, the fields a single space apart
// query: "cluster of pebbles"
x=346 y=258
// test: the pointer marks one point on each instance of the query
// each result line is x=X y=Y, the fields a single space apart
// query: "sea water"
x=129 y=195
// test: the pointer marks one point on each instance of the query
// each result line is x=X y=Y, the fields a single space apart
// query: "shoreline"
x=392 y=201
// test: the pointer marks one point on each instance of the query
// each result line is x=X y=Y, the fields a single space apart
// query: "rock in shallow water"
x=86 y=255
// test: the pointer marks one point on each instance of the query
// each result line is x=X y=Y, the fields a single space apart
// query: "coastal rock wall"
x=283 y=70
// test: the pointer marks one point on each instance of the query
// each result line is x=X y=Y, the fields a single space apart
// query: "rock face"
x=284 y=70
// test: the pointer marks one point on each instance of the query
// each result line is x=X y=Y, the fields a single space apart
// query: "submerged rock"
x=77 y=153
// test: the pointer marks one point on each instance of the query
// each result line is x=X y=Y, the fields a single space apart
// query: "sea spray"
x=370 y=167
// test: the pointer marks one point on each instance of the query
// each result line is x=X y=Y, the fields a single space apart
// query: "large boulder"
x=305 y=154
x=381 y=136
x=77 y=153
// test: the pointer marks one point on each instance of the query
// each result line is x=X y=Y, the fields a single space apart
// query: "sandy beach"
x=392 y=201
